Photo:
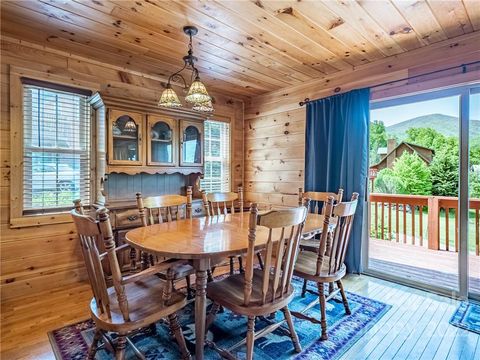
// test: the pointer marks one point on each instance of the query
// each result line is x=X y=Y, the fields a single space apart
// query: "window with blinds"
x=217 y=157
x=56 y=152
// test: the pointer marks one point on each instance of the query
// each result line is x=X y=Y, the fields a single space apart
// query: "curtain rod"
x=463 y=66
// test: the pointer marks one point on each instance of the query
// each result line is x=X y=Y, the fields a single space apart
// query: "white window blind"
x=56 y=153
x=217 y=157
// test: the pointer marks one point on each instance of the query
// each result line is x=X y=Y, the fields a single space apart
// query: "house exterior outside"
x=394 y=151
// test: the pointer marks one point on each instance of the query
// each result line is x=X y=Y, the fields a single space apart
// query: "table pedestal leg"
x=201 y=267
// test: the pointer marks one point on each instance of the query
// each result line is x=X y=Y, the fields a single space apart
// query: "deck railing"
x=422 y=220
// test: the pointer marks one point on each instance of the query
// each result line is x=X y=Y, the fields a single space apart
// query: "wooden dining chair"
x=166 y=208
x=318 y=201
x=133 y=302
x=220 y=203
x=327 y=266
x=262 y=292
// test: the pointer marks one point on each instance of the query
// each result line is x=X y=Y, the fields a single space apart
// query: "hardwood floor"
x=416 y=327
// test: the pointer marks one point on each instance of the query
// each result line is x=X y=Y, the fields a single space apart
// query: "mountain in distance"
x=444 y=124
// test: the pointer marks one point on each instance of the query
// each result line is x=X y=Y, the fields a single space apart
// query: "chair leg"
x=260 y=260
x=304 y=288
x=344 y=297
x=232 y=270
x=210 y=274
x=293 y=334
x=189 y=287
x=323 y=311
x=330 y=287
x=177 y=330
x=250 y=337
x=240 y=264
x=120 y=348
x=211 y=315
x=93 y=348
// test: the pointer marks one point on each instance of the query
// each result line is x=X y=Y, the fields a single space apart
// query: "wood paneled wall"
x=44 y=257
x=275 y=123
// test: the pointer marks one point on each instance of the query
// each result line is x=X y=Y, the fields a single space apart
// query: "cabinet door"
x=191 y=143
x=162 y=140
x=125 y=138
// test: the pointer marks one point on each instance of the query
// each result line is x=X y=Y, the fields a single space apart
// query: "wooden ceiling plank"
x=421 y=19
x=390 y=19
x=452 y=16
x=96 y=50
x=359 y=19
x=237 y=30
x=123 y=41
x=147 y=14
x=256 y=37
x=335 y=26
x=213 y=55
x=473 y=12
x=295 y=19
x=254 y=12
x=40 y=57
x=156 y=42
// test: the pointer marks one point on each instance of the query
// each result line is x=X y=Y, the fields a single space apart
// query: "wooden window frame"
x=17 y=218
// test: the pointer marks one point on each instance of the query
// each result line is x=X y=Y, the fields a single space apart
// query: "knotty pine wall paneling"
x=41 y=258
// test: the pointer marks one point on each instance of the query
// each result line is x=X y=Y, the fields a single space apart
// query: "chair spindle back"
x=218 y=203
x=318 y=200
x=164 y=208
x=335 y=245
x=91 y=232
x=284 y=228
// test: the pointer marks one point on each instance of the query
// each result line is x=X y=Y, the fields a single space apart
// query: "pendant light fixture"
x=197 y=94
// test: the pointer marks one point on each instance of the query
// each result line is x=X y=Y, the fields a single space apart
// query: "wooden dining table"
x=204 y=241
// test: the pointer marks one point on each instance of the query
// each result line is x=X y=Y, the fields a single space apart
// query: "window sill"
x=40 y=220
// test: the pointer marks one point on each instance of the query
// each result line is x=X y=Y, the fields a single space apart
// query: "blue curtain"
x=336 y=155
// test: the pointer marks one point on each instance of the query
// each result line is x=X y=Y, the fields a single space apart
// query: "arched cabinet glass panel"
x=125 y=134
x=162 y=143
x=191 y=146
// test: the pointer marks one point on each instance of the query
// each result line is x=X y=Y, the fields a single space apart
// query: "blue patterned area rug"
x=71 y=342
x=467 y=317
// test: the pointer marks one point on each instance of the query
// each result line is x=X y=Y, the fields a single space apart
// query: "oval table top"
x=205 y=237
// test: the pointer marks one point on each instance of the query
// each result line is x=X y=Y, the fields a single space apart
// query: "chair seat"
x=229 y=292
x=306 y=266
x=181 y=270
x=145 y=306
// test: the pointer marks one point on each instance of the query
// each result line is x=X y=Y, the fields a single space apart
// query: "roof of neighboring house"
x=413 y=147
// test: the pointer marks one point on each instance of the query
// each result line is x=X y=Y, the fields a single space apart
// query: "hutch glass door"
x=162 y=144
x=191 y=146
x=125 y=138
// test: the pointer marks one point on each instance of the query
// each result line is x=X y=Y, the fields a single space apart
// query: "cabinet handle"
x=132 y=217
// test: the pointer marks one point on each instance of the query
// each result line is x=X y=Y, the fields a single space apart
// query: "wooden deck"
x=435 y=267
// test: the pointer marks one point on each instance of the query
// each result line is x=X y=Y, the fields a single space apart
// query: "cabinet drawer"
x=127 y=218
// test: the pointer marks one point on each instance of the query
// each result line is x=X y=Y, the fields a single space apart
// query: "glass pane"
x=414 y=167
x=161 y=143
x=191 y=145
x=125 y=139
x=474 y=190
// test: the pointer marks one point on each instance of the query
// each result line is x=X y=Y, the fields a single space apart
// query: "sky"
x=447 y=106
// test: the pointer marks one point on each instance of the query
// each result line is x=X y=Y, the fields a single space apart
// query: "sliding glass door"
x=420 y=231
x=474 y=194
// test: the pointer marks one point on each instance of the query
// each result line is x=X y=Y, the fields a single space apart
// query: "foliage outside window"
x=56 y=151
x=217 y=157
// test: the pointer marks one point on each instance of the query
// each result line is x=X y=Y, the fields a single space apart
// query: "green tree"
x=413 y=175
x=378 y=138
x=475 y=185
x=386 y=182
x=444 y=174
